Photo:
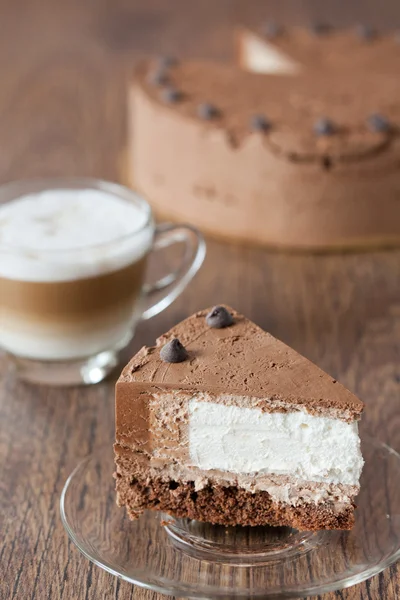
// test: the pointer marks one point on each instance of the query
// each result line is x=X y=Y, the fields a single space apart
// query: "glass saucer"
x=192 y=559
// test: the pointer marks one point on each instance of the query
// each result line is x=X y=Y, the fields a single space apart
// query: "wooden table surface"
x=63 y=70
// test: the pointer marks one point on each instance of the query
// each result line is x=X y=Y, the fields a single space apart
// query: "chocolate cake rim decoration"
x=171 y=95
x=260 y=123
x=378 y=123
x=207 y=111
x=325 y=127
x=158 y=77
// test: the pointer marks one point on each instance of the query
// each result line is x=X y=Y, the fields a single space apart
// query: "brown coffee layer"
x=228 y=506
x=72 y=300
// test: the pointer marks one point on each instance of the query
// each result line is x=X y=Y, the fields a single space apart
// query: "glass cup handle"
x=174 y=283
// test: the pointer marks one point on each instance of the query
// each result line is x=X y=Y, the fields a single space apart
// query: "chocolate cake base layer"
x=227 y=506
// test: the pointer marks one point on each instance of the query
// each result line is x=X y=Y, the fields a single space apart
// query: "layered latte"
x=71 y=272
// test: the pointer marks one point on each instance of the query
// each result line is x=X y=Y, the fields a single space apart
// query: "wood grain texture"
x=64 y=66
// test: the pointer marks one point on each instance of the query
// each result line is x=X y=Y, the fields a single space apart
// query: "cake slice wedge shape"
x=240 y=430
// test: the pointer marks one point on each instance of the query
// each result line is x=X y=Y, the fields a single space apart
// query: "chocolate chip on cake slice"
x=219 y=317
x=174 y=352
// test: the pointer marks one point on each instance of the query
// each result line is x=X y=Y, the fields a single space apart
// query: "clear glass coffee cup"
x=73 y=256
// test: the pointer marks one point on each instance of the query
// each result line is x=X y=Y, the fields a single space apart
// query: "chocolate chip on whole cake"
x=378 y=123
x=207 y=111
x=324 y=126
x=158 y=77
x=259 y=123
x=171 y=95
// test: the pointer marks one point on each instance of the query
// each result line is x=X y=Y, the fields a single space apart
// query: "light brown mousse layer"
x=281 y=488
x=284 y=187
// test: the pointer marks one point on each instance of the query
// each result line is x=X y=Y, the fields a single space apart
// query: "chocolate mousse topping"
x=254 y=363
x=173 y=352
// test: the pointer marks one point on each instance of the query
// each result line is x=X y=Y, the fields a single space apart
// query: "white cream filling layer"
x=262 y=57
x=246 y=440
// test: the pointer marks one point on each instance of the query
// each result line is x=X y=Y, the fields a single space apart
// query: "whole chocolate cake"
x=305 y=162
x=303 y=154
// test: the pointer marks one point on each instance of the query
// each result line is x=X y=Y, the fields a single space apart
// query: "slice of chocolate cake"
x=223 y=423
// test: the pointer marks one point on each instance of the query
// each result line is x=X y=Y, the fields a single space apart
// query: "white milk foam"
x=65 y=234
